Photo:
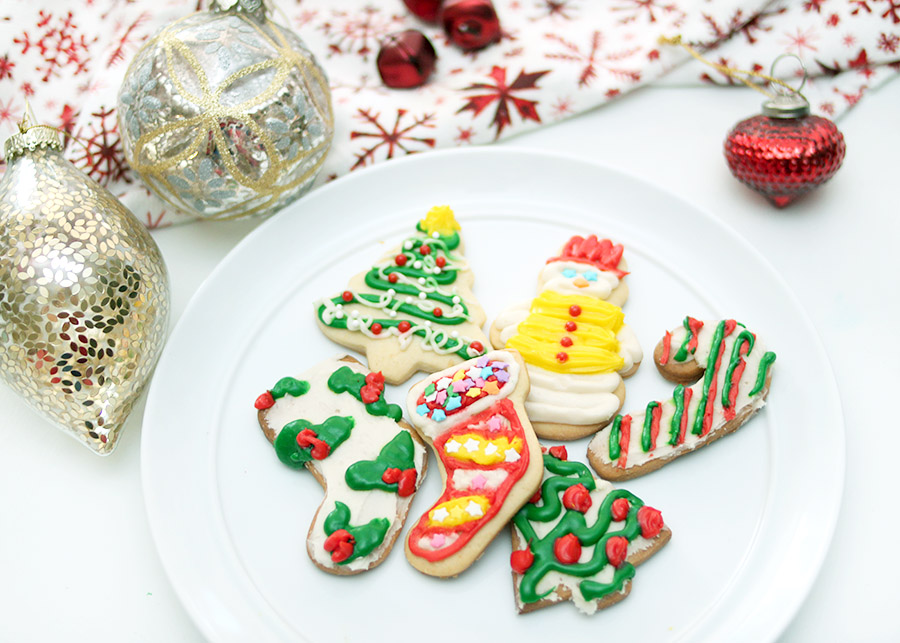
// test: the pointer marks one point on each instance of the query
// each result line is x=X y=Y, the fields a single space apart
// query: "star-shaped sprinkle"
x=512 y=455
x=440 y=515
x=471 y=445
x=451 y=446
x=474 y=509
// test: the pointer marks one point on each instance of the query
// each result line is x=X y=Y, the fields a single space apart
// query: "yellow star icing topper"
x=440 y=219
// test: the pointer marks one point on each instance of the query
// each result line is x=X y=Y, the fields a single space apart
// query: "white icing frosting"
x=552 y=278
x=433 y=429
x=636 y=455
x=369 y=434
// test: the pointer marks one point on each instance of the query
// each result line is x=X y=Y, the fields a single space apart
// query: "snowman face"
x=574 y=278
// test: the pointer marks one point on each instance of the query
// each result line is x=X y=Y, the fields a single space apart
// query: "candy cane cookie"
x=472 y=416
x=334 y=421
x=734 y=371
x=414 y=309
x=579 y=539
x=574 y=340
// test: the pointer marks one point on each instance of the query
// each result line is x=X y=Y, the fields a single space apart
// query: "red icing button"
x=400 y=260
x=264 y=401
x=577 y=497
x=425 y=250
x=440 y=262
x=562 y=357
x=521 y=560
x=438 y=312
x=477 y=347
x=536 y=498
x=347 y=295
x=616 y=550
x=404 y=326
x=559 y=452
x=574 y=310
x=571 y=326
x=566 y=341
x=651 y=521
x=567 y=549
x=308 y=437
x=393 y=277
x=369 y=393
x=390 y=475
x=407 y=485
x=340 y=544
x=376 y=328
x=620 y=508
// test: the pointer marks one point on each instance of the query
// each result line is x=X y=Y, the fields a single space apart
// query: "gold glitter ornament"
x=226 y=114
x=84 y=293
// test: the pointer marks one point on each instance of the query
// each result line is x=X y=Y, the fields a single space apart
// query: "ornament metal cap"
x=31 y=136
x=787 y=102
x=256 y=9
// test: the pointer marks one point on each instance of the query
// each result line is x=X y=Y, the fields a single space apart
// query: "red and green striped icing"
x=701 y=423
x=622 y=517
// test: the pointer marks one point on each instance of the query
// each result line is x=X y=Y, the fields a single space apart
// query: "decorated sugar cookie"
x=334 y=421
x=733 y=368
x=574 y=340
x=414 y=309
x=472 y=416
x=579 y=539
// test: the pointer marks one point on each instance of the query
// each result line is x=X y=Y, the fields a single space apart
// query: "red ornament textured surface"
x=427 y=10
x=784 y=158
x=406 y=60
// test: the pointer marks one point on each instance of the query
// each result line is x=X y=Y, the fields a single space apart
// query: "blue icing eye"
x=590 y=275
x=568 y=273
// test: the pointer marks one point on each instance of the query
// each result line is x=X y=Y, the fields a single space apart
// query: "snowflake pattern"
x=556 y=58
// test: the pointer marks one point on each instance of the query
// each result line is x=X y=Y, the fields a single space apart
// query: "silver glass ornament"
x=84 y=293
x=226 y=114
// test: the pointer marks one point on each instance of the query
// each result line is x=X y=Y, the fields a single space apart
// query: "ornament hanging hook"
x=783 y=88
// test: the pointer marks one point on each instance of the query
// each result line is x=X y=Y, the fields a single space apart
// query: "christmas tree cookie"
x=472 y=416
x=334 y=421
x=414 y=309
x=574 y=340
x=580 y=540
x=733 y=369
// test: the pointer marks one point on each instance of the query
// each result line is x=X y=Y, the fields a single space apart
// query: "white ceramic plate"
x=752 y=515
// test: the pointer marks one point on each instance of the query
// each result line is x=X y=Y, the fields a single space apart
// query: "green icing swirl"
x=289 y=386
x=346 y=380
x=333 y=431
x=764 y=364
x=366 y=537
x=396 y=454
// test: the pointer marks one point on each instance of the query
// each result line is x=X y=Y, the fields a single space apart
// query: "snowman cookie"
x=574 y=340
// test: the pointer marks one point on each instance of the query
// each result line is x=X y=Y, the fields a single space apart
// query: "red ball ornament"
x=427 y=10
x=470 y=24
x=784 y=152
x=406 y=59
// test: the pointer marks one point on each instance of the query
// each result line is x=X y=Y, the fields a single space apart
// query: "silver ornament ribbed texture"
x=84 y=293
x=225 y=114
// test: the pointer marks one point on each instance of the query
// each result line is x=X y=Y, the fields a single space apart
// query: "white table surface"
x=77 y=561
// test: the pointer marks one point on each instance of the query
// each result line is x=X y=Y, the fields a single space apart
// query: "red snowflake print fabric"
x=555 y=59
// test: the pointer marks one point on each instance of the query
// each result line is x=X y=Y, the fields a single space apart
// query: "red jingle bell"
x=470 y=24
x=784 y=152
x=427 y=10
x=406 y=59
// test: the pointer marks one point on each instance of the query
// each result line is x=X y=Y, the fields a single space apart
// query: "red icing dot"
x=340 y=544
x=521 y=560
x=404 y=326
x=651 y=521
x=559 y=452
x=264 y=401
x=616 y=550
x=390 y=475
x=476 y=346
x=571 y=326
x=440 y=262
x=376 y=328
x=393 y=277
x=407 y=485
x=577 y=497
x=400 y=260
x=562 y=357
x=567 y=549
x=376 y=379
x=347 y=295
x=536 y=498
x=620 y=508
x=425 y=250
x=370 y=393
x=566 y=341
x=574 y=310
x=437 y=312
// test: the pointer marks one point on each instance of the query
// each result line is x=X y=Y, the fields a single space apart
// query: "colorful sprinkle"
x=422 y=409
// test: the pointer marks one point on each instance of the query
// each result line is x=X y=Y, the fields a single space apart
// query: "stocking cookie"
x=414 y=309
x=472 y=416
x=574 y=340
x=734 y=370
x=580 y=540
x=334 y=421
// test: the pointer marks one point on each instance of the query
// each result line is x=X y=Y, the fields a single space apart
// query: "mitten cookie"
x=490 y=460
x=734 y=366
x=414 y=309
x=579 y=539
x=334 y=421
x=574 y=340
